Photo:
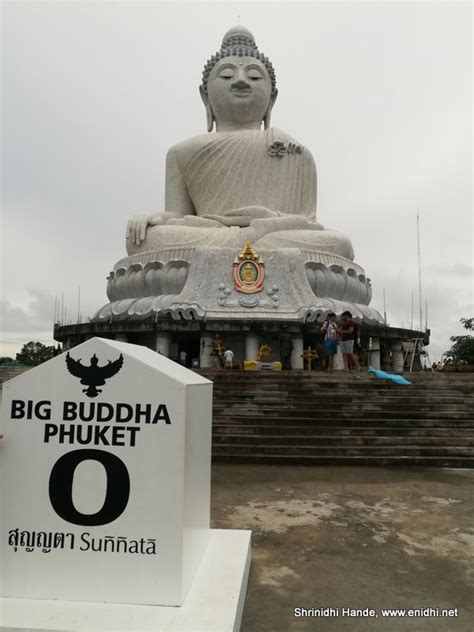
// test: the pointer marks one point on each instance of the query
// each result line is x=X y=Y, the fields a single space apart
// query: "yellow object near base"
x=250 y=365
x=255 y=365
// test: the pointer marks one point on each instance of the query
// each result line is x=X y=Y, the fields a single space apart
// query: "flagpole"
x=384 y=309
x=419 y=266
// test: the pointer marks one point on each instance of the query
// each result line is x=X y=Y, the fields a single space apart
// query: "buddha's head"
x=238 y=86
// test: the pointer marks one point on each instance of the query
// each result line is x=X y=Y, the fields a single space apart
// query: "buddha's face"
x=239 y=90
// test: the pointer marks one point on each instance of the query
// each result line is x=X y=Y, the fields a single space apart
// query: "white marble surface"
x=214 y=603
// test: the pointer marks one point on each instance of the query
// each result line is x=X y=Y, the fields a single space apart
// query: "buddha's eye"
x=254 y=75
x=227 y=73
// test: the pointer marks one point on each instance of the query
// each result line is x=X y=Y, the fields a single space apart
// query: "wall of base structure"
x=378 y=345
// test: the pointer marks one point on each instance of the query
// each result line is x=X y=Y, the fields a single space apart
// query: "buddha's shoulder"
x=189 y=144
x=279 y=135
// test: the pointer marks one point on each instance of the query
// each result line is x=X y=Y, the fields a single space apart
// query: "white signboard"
x=105 y=477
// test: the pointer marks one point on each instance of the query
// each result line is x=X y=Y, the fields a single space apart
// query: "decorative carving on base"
x=150 y=307
x=338 y=281
x=248 y=270
x=151 y=279
x=228 y=298
x=360 y=313
x=198 y=284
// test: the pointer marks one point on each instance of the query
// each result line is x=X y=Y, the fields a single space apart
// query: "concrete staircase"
x=300 y=417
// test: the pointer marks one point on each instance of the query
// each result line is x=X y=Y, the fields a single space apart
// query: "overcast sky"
x=93 y=95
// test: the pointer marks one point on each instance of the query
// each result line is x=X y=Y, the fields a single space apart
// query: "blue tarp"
x=398 y=379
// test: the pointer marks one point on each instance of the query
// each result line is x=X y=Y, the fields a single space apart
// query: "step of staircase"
x=371 y=417
x=353 y=461
x=347 y=441
x=225 y=429
x=355 y=409
x=340 y=450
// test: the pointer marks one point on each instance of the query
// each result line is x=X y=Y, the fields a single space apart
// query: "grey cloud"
x=446 y=305
x=36 y=316
x=459 y=270
x=87 y=125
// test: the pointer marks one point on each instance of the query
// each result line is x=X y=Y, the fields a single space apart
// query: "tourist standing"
x=183 y=356
x=329 y=329
x=348 y=334
x=228 y=358
x=218 y=352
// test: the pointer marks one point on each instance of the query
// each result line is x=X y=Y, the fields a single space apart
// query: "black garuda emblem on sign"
x=93 y=375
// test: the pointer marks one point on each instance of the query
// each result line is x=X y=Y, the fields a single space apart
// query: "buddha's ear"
x=209 y=113
x=268 y=113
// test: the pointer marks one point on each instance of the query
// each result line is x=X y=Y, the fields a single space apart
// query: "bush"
x=34 y=353
x=463 y=348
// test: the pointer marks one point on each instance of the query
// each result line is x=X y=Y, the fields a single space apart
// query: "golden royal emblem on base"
x=248 y=270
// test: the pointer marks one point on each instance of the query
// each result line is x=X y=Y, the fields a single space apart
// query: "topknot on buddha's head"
x=238 y=42
x=238 y=36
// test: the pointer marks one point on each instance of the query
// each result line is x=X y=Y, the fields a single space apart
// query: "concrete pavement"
x=376 y=538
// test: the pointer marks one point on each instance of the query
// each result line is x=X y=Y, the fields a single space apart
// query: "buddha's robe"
x=226 y=171
x=229 y=187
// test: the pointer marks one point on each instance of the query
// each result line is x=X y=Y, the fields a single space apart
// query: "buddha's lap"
x=327 y=240
x=175 y=236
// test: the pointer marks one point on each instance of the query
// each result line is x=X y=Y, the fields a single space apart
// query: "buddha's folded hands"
x=242 y=216
x=195 y=221
x=263 y=226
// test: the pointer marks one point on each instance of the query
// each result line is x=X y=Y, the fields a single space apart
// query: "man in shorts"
x=329 y=329
x=347 y=332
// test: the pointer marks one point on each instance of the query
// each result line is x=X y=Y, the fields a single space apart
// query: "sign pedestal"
x=214 y=602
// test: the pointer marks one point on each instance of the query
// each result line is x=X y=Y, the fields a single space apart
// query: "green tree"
x=5 y=360
x=463 y=347
x=34 y=353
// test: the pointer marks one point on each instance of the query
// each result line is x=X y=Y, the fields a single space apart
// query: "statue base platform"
x=214 y=603
x=179 y=301
x=202 y=284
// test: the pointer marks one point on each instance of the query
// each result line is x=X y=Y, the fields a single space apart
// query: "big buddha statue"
x=242 y=191
x=245 y=181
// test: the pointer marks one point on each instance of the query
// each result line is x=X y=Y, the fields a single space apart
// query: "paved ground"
x=352 y=538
